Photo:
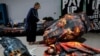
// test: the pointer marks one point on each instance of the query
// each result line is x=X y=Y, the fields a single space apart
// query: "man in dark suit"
x=31 y=23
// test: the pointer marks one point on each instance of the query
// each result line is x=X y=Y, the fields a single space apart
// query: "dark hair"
x=37 y=3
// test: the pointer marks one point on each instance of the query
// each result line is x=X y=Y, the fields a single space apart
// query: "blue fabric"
x=13 y=44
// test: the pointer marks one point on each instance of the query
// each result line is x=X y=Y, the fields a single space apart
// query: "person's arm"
x=31 y=16
x=34 y=12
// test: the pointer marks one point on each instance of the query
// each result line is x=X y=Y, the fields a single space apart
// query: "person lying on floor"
x=69 y=39
x=72 y=48
x=13 y=47
x=67 y=23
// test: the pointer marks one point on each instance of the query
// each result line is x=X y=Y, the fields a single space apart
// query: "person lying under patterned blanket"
x=66 y=33
x=13 y=47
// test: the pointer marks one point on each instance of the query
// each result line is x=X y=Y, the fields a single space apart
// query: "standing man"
x=31 y=23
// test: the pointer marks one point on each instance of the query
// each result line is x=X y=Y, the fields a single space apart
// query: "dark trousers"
x=31 y=35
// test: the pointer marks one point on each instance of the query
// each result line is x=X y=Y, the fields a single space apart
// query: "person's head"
x=37 y=5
